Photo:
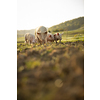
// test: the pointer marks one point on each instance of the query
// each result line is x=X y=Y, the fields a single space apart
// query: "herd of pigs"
x=42 y=36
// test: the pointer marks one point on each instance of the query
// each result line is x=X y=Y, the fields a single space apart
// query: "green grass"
x=74 y=35
x=20 y=39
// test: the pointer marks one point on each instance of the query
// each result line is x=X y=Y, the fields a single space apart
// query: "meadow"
x=53 y=71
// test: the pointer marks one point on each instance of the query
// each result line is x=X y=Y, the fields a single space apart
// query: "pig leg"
x=46 y=40
x=59 y=41
x=29 y=42
x=38 y=41
x=56 y=41
x=25 y=41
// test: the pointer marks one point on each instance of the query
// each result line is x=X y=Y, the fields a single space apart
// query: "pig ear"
x=49 y=35
x=45 y=32
x=62 y=34
x=57 y=33
x=38 y=33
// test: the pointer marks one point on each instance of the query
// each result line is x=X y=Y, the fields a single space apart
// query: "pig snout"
x=43 y=41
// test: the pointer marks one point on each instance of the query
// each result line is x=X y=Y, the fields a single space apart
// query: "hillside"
x=65 y=26
x=68 y=25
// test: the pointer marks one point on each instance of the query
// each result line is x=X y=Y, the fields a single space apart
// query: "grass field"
x=73 y=35
x=51 y=71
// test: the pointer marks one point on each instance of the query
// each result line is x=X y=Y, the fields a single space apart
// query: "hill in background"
x=68 y=25
x=21 y=33
x=65 y=26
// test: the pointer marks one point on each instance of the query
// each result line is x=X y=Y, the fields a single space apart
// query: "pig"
x=41 y=34
x=50 y=37
x=58 y=36
x=30 y=38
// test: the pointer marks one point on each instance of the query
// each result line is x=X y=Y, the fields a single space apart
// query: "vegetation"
x=68 y=25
